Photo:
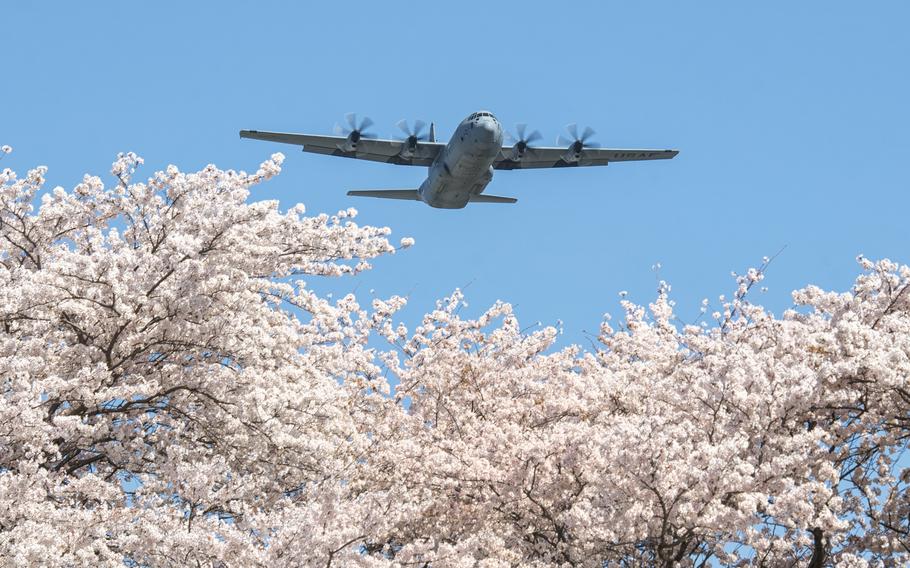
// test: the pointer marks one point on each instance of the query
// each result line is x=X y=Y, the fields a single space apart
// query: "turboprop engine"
x=353 y=132
x=576 y=143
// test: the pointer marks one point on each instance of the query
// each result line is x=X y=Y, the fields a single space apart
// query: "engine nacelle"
x=518 y=151
x=573 y=152
x=350 y=143
x=408 y=147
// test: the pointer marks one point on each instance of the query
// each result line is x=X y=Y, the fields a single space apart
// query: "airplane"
x=460 y=169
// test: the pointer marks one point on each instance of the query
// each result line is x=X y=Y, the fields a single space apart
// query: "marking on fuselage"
x=632 y=155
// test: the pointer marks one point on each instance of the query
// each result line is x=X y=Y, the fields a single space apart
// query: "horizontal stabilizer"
x=409 y=194
x=481 y=198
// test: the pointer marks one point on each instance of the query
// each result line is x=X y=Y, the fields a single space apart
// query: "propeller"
x=523 y=141
x=354 y=130
x=576 y=143
x=412 y=136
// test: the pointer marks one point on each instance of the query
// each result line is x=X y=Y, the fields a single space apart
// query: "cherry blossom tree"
x=756 y=441
x=174 y=395
x=172 y=392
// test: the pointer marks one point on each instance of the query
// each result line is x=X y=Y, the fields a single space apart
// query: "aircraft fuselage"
x=460 y=169
x=465 y=166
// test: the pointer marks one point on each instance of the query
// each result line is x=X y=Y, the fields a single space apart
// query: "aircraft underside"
x=459 y=170
x=464 y=168
x=452 y=186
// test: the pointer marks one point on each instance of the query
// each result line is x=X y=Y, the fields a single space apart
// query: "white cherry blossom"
x=175 y=395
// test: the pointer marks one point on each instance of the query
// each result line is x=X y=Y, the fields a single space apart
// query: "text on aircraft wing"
x=535 y=157
x=377 y=150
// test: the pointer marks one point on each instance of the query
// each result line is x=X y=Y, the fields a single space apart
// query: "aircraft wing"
x=387 y=151
x=557 y=157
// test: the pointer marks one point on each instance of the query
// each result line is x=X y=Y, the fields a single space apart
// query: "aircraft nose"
x=489 y=129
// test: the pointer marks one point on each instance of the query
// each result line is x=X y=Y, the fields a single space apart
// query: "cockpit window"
x=477 y=115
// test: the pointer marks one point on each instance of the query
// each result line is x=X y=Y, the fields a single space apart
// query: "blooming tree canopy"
x=174 y=395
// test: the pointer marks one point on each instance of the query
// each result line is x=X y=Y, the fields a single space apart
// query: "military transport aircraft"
x=460 y=169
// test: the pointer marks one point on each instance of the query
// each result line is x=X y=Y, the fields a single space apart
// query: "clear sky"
x=792 y=120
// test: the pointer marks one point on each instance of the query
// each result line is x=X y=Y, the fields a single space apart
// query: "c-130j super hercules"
x=460 y=169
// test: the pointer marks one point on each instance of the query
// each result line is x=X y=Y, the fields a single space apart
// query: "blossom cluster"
x=174 y=394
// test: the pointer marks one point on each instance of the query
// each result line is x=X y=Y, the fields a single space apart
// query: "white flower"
x=174 y=393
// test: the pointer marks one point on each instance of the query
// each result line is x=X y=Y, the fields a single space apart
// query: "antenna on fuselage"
x=432 y=132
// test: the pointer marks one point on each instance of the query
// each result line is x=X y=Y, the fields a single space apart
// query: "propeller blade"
x=520 y=129
x=416 y=133
x=403 y=125
x=418 y=126
x=365 y=123
x=522 y=137
x=572 y=129
x=339 y=131
x=351 y=118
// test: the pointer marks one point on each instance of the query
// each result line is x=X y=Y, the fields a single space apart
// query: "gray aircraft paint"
x=460 y=170
x=465 y=166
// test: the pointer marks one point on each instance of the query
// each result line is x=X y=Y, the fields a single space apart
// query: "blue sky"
x=791 y=119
